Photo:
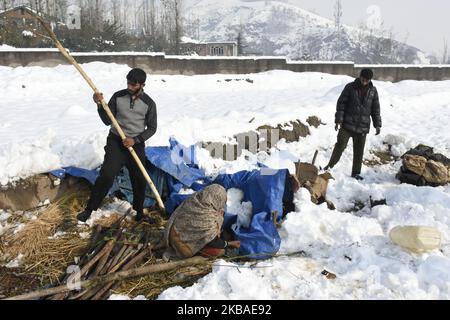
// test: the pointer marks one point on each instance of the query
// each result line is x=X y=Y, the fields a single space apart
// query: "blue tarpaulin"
x=174 y=167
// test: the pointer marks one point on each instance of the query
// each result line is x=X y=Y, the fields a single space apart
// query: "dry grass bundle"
x=44 y=255
x=2 y=247
x=30 y=239
x=54 y=257
x=153 y=285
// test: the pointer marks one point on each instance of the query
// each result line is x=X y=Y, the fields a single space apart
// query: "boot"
x=84 y=216
x=140 y=217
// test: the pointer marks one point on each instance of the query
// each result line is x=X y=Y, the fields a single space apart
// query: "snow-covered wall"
x=158 y=63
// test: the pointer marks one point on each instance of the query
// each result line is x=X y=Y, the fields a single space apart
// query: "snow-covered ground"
x=48 y=120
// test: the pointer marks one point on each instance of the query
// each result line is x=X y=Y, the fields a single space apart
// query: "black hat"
x=137 y=75
x=366 y=74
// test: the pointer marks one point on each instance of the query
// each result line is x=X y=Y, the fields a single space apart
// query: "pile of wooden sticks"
x=111 y=250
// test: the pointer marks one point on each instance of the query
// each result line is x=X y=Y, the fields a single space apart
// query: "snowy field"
x=48 y=120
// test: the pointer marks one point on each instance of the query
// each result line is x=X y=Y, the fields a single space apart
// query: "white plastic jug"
x=416 y=239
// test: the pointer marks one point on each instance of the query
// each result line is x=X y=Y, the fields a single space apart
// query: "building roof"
x=188 y=40
x=221 y=42
x=30 y=10
x=27 y=8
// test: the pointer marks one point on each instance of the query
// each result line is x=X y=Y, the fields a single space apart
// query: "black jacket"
x=354 y=111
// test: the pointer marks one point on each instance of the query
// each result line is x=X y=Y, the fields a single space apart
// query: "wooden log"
x=125 y=258
x=89 y=293
x=102 y=292
x=105 y=289
x=132 y=263
x=107 y=265
x=118 y=256
x=138 y=258
x=104 y=259
x=79 y=295
x=115 y=259
x=97 y=257
x=119 y=276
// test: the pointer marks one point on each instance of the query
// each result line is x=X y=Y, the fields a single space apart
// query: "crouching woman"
x=195 y=226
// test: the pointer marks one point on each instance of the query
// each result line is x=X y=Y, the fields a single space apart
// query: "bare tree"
x=171 y=23
x=445 y=58
x=301 y=40
x=240 y=39
x=390 y=45
x=178 y=27
x=338 y=27
x=152 y=17
x=115 y=10
x=60 y=9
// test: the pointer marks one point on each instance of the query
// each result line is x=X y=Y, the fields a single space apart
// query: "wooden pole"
x=105 y=107
x=315 y=157
x=133 y=273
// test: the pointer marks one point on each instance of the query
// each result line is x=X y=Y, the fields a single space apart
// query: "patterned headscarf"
x=197 y=221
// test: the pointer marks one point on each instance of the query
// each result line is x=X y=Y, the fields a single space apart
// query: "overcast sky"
x=426 y=21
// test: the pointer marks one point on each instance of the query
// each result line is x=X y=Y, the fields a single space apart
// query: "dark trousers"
x=117 y=156
x=359 y=141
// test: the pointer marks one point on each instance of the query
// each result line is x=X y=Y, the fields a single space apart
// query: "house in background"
x=18 y=27
x=221 y=49
x=73 y=20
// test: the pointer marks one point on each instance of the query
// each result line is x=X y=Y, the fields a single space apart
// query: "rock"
x=329 y=275
x=263 y=139
x=314 y=121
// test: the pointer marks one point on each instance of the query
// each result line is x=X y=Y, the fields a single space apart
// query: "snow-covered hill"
x=281 y=28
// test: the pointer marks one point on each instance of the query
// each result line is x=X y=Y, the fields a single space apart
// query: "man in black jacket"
x=135 y=112
x=356 y=105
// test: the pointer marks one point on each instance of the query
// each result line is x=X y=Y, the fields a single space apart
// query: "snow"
x=225 y=57
x=4 y=216
x=236 y=206
x=209 y=7
x=84 y=235
x=374 y=66
x=16 y=262
x=27 y=33
x=186 y=191
x=119 y=53
x=57 y=235
x=117 y=207
x=48 y=120
x=355 y=248
x=185 y=39
x=5 y=47
x=422 y=58
x=320 y=62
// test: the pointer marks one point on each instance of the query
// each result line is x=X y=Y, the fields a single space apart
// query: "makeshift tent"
x=174 y=167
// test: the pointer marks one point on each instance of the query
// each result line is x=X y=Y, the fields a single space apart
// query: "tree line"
x=115 y=25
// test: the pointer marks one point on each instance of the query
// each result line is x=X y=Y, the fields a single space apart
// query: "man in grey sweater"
x=135 y=112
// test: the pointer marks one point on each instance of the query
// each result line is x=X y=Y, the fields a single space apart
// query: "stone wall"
x=158 y=63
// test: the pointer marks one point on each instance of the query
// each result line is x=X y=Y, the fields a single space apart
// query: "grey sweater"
x=137 y=119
